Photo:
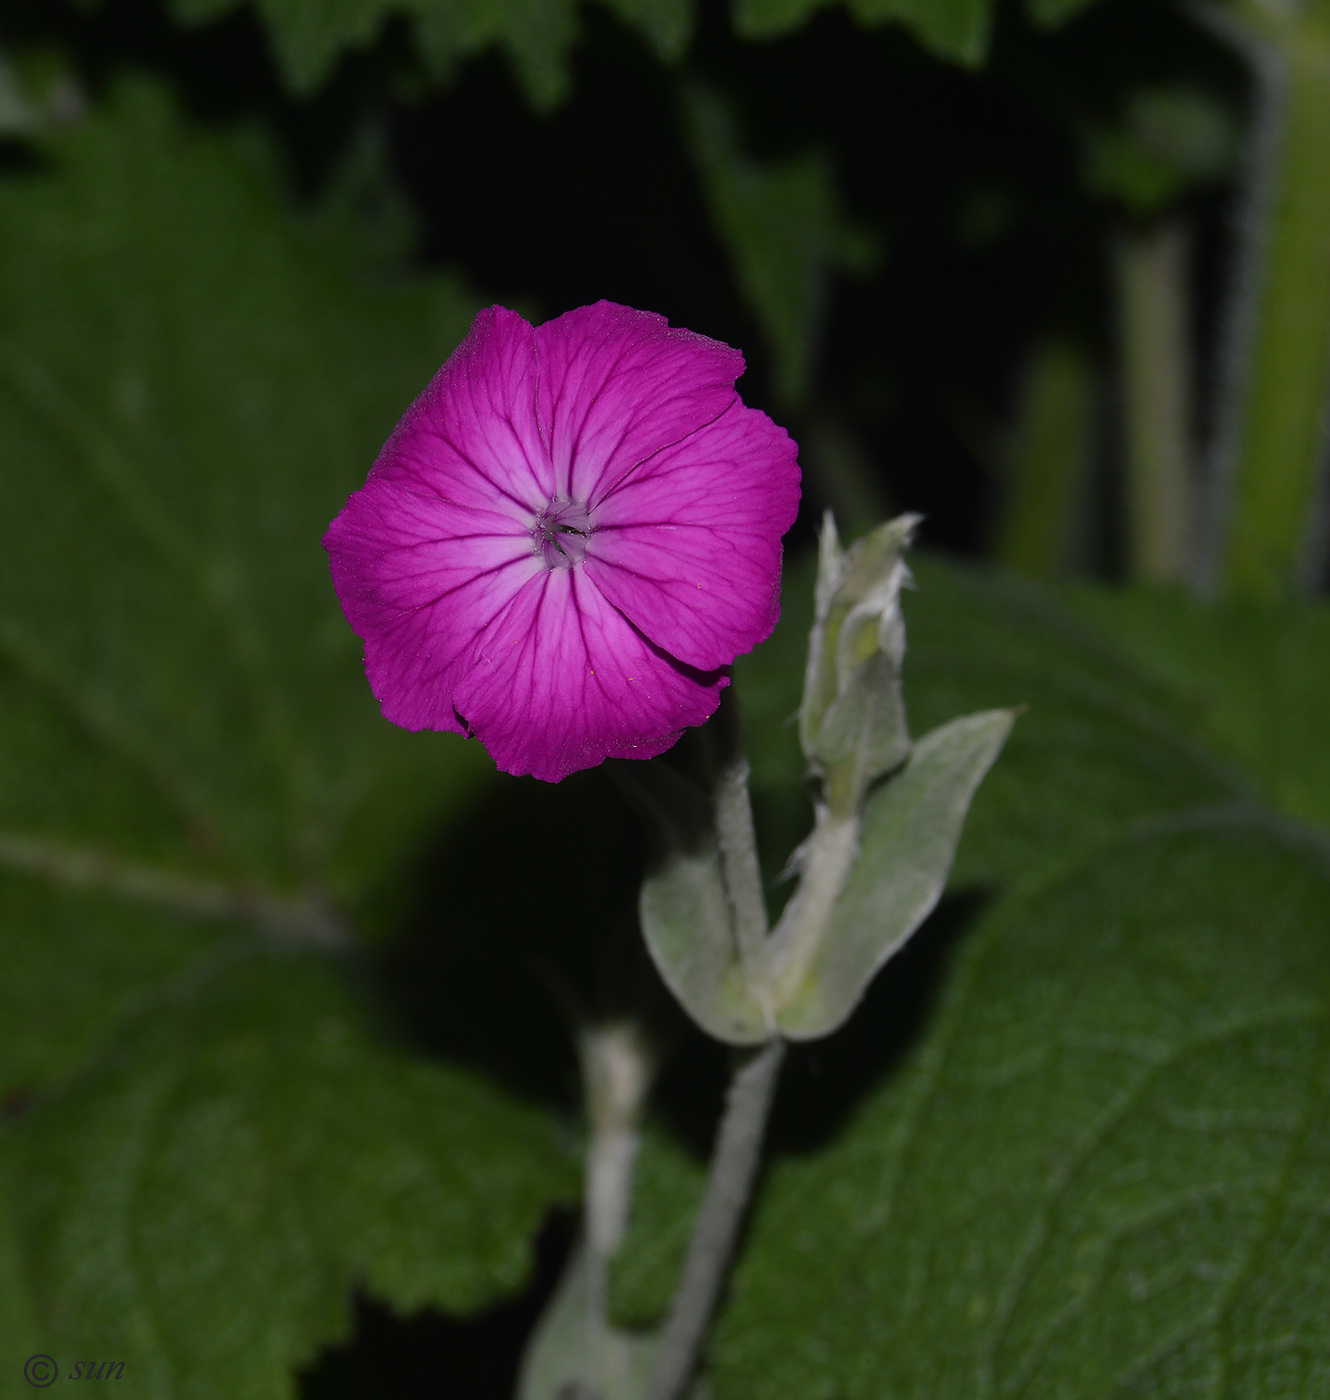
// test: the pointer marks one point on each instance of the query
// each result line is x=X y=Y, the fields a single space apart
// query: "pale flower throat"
x=560 y=533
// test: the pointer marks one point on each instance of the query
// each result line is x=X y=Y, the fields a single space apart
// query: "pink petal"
x=417 y=578
x=688 y=547
x=559 y=681
x=628 y=437
x=472 y=436
x=617 y=385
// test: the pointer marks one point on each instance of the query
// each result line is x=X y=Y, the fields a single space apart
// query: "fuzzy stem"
x=617 y=1067
x=734 y=1162
x=1251 y=220
x=1268 y=454
x=828 y=858
x=610 y=1167
x=1152 y=267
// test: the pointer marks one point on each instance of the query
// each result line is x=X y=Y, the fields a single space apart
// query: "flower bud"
x=852 y=722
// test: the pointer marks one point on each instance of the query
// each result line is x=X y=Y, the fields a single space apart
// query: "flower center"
x=560 y=533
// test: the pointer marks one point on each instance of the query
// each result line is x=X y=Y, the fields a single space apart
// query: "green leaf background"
x=201 y=1201
x=1105 y=1170
x=782 y=224
x=1104 y=1167
x=1099 y=1166
x=211 y=1138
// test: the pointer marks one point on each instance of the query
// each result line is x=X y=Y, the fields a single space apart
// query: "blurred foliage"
x=538 y=35
x=1251 y=679
x=1169 y=142
x=1046 y=460
x=1273 y=540
x=954 y=29
x=202 y=1200
x=186 y=732
x=785 y=231
x=1102 y=1167
x=182 y=689
x=282 y=1014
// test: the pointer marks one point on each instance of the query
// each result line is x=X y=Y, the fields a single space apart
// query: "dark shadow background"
x=971 y=182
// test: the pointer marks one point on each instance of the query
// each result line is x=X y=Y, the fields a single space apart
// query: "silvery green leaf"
x=852 y=710
x=684 y=909
x=576 y=1355
x=910 y=828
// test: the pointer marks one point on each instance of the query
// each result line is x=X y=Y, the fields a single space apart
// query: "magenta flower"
x=567 y=539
